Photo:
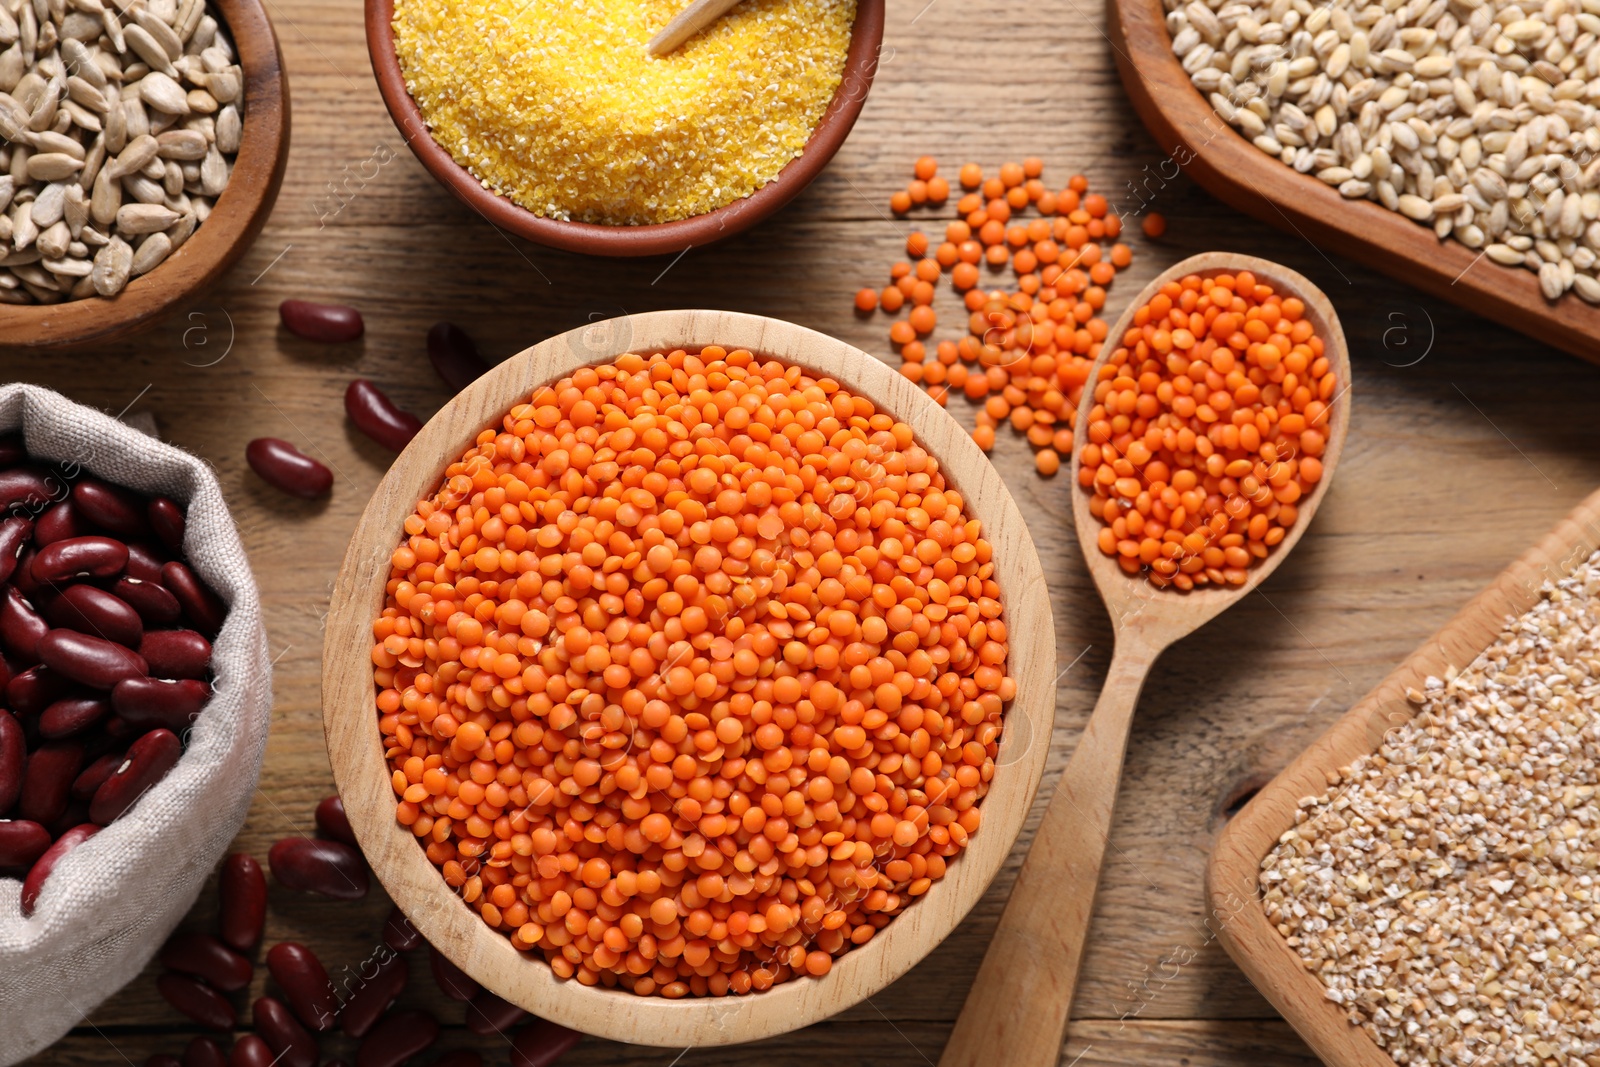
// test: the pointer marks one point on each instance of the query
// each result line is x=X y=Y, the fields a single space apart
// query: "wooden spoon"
x=1016 y=1013
x=688 y=22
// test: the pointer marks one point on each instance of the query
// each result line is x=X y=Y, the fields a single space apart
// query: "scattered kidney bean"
x=454 y=355
x=13 y=539
x=175 y=654
x=198 y=1001
x=368 y=1003
x=93 y=776
x=326 y=323
x=250 y=1051
x=398 y=933
x=282 y=465
x=331 y=868
x=203 y=956
x=71 y=716
x=166 y=519
x=111 y=507
x=13 y=760
x=21 y=626
x=91 y=610
x=40 y=871
x=541 y=1043
x=58 y=523
x=22 y=842
x=148 y=761
x=169 y=702
x=488 y=1015
x=332 y=822
x=305 y=983
x=90 y=660
x=47 y=782
x=243 y=889
x=35 y=689
x=204 y=1052
x=204 y=608
x=155 y=605
x=452 y=980
x=80 y=557
x=143 y=562
x=283 y=1033
x=397 y=1037
x=377 y=416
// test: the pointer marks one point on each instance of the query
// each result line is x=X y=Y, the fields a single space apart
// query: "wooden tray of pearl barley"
x=1417 y=887
x=1450 y=144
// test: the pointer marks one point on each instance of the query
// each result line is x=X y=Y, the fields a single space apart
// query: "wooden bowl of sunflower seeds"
x=142 y=145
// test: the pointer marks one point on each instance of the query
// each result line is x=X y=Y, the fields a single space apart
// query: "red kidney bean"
x=90 y=660
x=13 y=760
x=93 y=776
x=453 y=981
x=166 y=519
x=326 y=323
x=282 y=465
x=250 y=1051
x=332 y=822
x=283 y=1033
x=70 y=716
x=377 y=416
x=21 y=626
x=111 y=507
x=12 y=450
x=243 y=892
x=39 y=873
x=147 y=762
x=541 y=1043
x=5 y=675
x=398 y=933
x=198 y=1001
x=35 y=689
x=60 y=523
x=47 y=782
x=175 y=654
x=204 y=1052
x=22 y=842
x=205 y=957
x=204 y=608
x=331 y=868
x=23 y=577
x=454 y=356
x=169 y=702
x=80 y=557
x=368 y=1003
x=397 y=1037
x=25 y=485
x=143 y=562
x=161 y=1060
x=488 y=1015
x=91 y=610
x=305 y=983
x=13 y=539
x=460 y=1058
x=155 y=605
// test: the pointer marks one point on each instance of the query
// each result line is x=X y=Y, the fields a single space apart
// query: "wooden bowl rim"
x=363 y=779
x=1126 y=599
x=1232 y=883
x=861 y=64
x=216 y=244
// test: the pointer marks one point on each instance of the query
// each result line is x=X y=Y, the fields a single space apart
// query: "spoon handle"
x=688 y=22
x=1016 y=1012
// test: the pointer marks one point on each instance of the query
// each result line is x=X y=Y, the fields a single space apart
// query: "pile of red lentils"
x=1027 y=352
x=691 y=673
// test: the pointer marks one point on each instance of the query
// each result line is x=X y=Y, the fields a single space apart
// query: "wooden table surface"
x=1467 y=443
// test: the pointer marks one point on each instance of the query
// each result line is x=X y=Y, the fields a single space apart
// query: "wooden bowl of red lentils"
x=557 y=127
x=689 y=677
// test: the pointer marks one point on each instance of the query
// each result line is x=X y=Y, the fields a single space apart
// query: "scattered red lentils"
x=1029 y=351
x=1154 y=225
x=691 y=673
x=1209 y=425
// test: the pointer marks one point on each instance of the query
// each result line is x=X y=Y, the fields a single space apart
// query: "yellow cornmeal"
x=557 y=106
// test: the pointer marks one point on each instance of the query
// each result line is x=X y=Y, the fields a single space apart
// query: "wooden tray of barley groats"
x=1421 y=724
x=1201 y=144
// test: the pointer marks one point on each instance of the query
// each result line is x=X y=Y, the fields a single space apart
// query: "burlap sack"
x=111 y=902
